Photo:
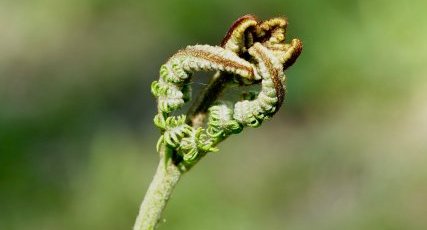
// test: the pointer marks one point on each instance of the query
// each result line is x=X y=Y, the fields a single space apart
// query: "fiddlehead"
x=253 y=52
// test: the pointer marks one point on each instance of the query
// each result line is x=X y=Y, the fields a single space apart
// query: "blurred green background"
x=77 y=144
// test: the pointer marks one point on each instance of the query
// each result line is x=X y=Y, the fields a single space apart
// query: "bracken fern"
x=252 y=52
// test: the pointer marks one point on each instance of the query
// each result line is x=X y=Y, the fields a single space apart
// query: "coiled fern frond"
x=252 y=52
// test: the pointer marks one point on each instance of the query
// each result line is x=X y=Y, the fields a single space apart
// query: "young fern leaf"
x=253 y=52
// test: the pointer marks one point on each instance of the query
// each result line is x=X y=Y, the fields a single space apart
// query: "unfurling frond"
x=252 y=52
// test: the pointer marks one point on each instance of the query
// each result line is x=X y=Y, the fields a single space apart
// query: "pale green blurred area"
x=77 y=143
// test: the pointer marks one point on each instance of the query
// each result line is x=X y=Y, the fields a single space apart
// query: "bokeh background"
x=77 y=144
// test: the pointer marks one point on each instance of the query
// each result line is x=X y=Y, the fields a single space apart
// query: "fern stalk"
x=158 y=193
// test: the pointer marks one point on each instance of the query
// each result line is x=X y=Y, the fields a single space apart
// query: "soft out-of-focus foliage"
x=77 y=144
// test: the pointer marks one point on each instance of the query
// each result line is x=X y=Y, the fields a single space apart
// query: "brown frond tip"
x=270 y=24
x=295 y=50
x=273 y=29
x=240 y=21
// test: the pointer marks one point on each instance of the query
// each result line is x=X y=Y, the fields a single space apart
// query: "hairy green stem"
x=168 y=173
x=158 y=194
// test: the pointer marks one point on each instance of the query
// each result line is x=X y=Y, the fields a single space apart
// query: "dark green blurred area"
x=77 y=143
